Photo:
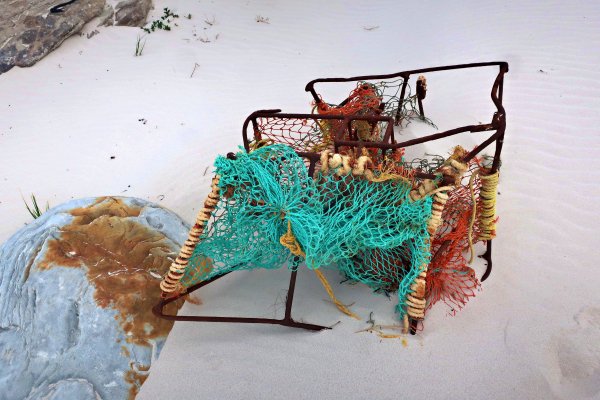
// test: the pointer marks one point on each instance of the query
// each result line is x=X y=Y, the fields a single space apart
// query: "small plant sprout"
x=139 y=45
x=264 y=20
x=163 y=22
x=34 y=210
x=168 y=14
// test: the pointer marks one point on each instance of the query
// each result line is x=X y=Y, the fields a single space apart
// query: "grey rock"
x=76 y=289
x=107 y=16
x=66 y=389
x=29 y=31
x=132 y=12
x=126 y=13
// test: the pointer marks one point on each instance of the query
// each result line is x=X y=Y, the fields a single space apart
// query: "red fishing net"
x=449 y=276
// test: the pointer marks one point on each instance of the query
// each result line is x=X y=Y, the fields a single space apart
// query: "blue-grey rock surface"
x=76 y=290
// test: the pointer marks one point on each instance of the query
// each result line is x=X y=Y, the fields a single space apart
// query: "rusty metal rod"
x=401 y=100
x=412 y=142
x=404 y=74
x=158 y=310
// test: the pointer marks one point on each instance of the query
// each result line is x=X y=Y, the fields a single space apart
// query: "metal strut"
x=287 y=320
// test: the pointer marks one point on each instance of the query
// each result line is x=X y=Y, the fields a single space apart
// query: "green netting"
x=371 y=231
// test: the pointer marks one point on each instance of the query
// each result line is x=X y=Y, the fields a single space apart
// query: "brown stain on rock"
x=121 y=256
x=136 y=378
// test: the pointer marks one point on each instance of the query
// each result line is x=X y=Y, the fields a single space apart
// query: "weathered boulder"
x=132 y=12
x=76 y=290
x=30 y=29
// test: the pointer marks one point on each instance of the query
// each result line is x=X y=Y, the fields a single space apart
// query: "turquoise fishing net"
x=370 y=231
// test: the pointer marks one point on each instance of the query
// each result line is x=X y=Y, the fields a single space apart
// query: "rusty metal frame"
x=287 y=320
x=497 y=124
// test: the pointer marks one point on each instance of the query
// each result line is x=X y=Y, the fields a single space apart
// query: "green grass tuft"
x=139 y=46
x=34 y=210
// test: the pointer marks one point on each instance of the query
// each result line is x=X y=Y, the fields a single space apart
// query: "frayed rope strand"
x=329 y=291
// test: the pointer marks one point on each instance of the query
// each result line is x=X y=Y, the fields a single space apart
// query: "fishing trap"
x=334 y=189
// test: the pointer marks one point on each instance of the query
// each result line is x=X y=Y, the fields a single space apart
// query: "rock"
x=107 y=16
x=126 y=13
x=76 y=290
x=132 y=12
x=29 y=30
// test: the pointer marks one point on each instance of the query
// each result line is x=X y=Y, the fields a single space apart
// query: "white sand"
x=533 y=331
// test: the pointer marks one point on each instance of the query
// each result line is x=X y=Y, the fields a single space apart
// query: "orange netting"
x=393 y=164
x=317 y=134
x=449 y=277
x=362 y=100
x=301 y=134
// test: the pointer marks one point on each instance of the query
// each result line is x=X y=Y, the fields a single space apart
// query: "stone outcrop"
x=131 y=12
x=30 y=29
x=76 y=290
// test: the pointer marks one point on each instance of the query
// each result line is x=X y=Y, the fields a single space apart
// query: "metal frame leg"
x=158 y=310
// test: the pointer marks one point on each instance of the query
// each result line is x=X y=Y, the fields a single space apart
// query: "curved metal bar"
x=497 y=89
x=487 y=256
x=252 y=118
x=412 y=142
x=404 y=74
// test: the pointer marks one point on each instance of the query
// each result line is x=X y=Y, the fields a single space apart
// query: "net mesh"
x=371 y=231
x=378 y=98
x=450 y=278
x=368 y=99
x=363 y=101
x=302 y=134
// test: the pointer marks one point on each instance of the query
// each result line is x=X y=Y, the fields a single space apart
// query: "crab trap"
x=334 y=189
